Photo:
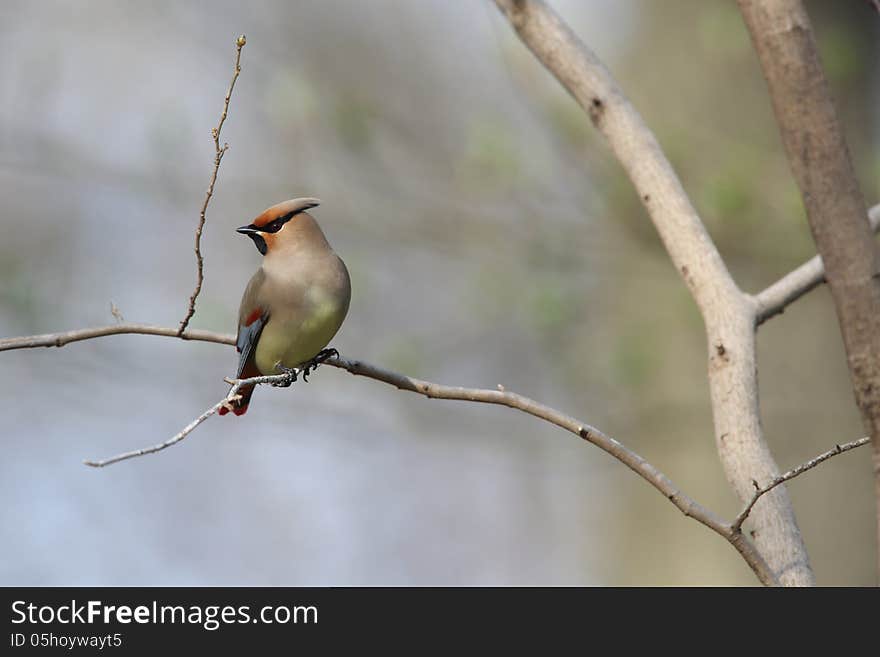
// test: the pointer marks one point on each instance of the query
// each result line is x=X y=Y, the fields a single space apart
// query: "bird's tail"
x=239 y=406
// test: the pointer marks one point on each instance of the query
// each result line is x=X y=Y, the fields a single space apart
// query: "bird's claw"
x=310 y=366
x=305 y=369
x=326 y=354
x=291 y=373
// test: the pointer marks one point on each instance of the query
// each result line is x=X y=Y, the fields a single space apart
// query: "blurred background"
x=491 y=239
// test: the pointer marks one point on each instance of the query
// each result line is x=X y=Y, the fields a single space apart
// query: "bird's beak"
x=256 y=235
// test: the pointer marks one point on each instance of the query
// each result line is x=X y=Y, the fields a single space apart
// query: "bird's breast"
x=305 y=313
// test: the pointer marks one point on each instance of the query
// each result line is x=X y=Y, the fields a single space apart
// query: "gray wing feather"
x=247 y=341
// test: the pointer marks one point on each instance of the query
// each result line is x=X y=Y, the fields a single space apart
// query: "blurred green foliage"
x=568 y=120
x=352 y=118
x=844 y=54
x=292 y=100
x=405 y=354
x=717 y=30
x=552 y=305
x=491 y=157
x=635 y=358
x=17 y=294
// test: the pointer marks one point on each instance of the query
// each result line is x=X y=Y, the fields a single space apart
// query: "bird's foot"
x=326 y=354
x=311 y=365
x=291 y=372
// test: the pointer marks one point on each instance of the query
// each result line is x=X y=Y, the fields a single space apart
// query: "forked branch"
x=791 y=287
x=722 y=303
x=731 y=532
x=791 y=474
x=728 y=313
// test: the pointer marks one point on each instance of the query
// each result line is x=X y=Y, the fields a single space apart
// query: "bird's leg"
x=311 y=365
x=291 y=373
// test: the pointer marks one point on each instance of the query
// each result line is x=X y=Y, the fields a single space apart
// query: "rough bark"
x=820 y=160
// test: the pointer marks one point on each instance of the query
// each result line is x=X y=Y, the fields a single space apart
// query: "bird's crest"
x=284 y=211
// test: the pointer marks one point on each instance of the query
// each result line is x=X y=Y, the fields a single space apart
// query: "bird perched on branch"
x=295 y=302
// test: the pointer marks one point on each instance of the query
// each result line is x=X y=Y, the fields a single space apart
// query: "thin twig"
x=501 y=396
x=157 y=448
x=183 y=433
x=791 y=474
x=219 y=152
x=777 y=297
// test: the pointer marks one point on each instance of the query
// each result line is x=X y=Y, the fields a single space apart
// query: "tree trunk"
x=820 y=161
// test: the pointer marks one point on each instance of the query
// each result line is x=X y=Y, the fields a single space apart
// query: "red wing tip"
x=253 y=317
x=223 y=410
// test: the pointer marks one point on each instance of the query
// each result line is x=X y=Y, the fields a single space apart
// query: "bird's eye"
x=278 y=224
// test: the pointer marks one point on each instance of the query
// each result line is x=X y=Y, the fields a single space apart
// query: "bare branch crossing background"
x=219 y=152
x=774 y=548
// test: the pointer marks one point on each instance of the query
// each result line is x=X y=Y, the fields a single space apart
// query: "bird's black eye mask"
x=277 y=224
x=274 y=226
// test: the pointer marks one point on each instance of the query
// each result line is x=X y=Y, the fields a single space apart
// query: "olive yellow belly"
x=297 y=338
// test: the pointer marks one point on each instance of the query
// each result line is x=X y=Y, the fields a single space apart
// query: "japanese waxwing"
x=295 y=302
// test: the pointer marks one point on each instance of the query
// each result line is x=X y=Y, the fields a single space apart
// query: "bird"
x=294 y=303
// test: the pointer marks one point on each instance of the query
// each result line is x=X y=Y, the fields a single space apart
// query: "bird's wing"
x=252 y=317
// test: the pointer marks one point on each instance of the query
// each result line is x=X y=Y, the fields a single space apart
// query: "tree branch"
x=791 y=287
x=794 y=472
x=728 y=313
x=66 y=337
x=631 y=459
x=730 y=317
x=819 y=158
x=730 y=531
x=219 y=152
x=183 y=433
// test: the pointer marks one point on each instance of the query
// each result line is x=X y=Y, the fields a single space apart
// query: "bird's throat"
x=259 y=242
